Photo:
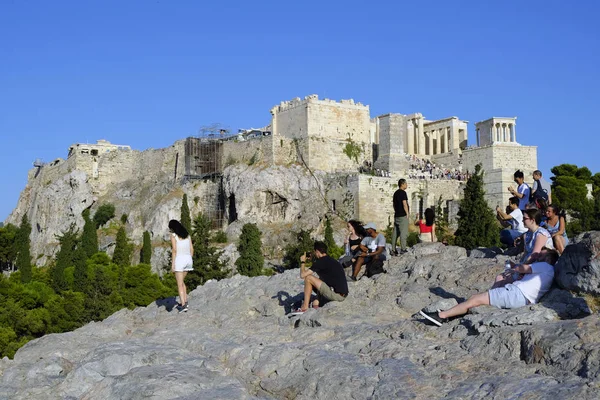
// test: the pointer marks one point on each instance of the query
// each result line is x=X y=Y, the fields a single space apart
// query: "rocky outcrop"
x=578 y=268
x=236 y=342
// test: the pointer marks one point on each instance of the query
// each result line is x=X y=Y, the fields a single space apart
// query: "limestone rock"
x=578 y=268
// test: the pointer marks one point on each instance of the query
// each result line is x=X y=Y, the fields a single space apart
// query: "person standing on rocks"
x=522 y=192
x=182 y=252
x=519 y=286
x=401 y=213
x=331 y=285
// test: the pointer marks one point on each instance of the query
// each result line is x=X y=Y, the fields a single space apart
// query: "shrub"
x=304 y=243
x=219 y=237
x=251 y=260
x=104 y=214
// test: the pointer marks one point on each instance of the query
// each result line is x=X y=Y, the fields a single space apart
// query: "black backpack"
x=374 y=267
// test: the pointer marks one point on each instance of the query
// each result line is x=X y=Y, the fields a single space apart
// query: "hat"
x=370 y=225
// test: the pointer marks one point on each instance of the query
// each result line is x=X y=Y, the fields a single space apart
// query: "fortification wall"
x=499 y=163
x=375 y=194
x=256 y=150
x=328 y=155
x=339 y=120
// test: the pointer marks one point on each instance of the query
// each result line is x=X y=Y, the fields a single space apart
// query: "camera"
x=308 y=255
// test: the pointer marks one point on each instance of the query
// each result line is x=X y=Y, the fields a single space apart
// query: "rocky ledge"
x=236 y=342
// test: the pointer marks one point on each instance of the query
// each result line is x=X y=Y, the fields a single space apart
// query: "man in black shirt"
x=401 y=213
x=331 y=285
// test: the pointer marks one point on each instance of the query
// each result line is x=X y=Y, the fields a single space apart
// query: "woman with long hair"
x=356 y=233
x=536 y=237
x=182 y=252
x=557 y=226
x=427 y=226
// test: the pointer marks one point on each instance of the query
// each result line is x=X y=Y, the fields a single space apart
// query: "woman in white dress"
x=182 y=252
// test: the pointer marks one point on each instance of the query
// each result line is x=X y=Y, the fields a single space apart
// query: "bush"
x=412 y=239
x=219 y=237
x=124 y=218
x=104 y=214
x=304 y=244
x=251 y=260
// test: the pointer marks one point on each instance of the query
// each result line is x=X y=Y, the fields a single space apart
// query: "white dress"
x=183 y=260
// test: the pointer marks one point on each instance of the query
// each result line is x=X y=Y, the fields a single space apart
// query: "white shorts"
x=183 y=263
x=508 y=296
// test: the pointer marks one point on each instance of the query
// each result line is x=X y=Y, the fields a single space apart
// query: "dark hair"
x=429 y=217
x=514 y=200
x=534 y=214
x=401 y=182
x=537 y=172
x=556 y=210
x=358 y=227
x=519 y=174
x=176 y=227
x=551 y=255
x=542 y=204
x=320 y=246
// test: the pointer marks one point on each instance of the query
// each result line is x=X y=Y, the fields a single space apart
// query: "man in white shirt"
x=514 y=219
x=372 y=247
x=522 y=192
x=517 y=287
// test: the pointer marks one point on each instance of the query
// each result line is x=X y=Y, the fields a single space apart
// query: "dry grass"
x=592 y=301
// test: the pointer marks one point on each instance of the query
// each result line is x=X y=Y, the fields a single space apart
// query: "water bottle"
x=507 y=265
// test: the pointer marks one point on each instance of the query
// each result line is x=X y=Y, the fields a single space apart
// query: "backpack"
x=374 y=267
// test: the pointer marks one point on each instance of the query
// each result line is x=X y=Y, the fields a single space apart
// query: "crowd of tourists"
x=420 y=168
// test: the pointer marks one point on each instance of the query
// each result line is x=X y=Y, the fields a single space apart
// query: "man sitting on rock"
x=517 y=287
x=372 y=247
x=331 y=285
x=515 y=219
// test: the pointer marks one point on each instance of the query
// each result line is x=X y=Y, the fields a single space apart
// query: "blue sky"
x=147 y=73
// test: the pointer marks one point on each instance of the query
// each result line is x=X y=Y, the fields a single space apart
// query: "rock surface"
x=578 y=268
x=237 y=343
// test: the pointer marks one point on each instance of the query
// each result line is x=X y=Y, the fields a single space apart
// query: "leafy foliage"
x=146 y=252
x=251 y=260
x=89 y=237
x=293 y=251
x=185 y=218
x=207 y=264
x=8 y=250
x=219 y=237
x=104 y=214
x=476 y=222
x=64 y=259
x=123 y=249
x=333 y=250
x=442 y=224
x=569 y=192
x=22 y=246
x=352 y=149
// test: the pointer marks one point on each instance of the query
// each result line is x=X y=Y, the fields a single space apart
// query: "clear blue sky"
x=146 y=73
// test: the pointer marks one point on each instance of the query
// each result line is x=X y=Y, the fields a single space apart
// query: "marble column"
x=410 y=138
x=421 y=136
x=430 y=143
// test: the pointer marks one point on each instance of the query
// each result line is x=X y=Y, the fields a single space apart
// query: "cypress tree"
x=146 y=252
x=22 y=246
x=329 y=235
x=89 y=237
x=207 y=264
x=80 y=275
x=251 y=260
x=185 y=219
x=477 y=225
x=122 y=253
x=64 y=259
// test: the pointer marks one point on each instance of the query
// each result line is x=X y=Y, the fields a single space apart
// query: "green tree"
x=185 y=219
x=333 y=250
x=251 y=260
x=103 y=214
x=569 y=192
x=64 y=259
x=80 y=275
x=477 y=225
x=8 y=250
x=146 y=252
x=89 y=237
x=122 y=253
x=22 y=246
x=207 y=264
x=304 y=243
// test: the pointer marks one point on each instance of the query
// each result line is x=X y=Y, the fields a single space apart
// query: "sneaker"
x=185 y=308
x=433 y=317
x=297 y=311
x=351 y=278
x=179 y=307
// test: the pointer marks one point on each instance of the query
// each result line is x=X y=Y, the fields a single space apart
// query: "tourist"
x=541 y=188
x=331 y=285
x=515 y=221
x=372 y=248
x=519 y=286
x=427 y=227
x=182 y=251
x=401 y=213
x=352 y=242
x=522 y=191
x=557 y=227
x=536 y=237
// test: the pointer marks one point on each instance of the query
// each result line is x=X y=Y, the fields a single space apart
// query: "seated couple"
x=517 y=287
x=331 y=285
x=371 y=248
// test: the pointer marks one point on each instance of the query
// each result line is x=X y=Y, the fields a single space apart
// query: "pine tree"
x=22 y=245
x=207 y=264
x=146 y=252
x=333 y=250
x=64 y=259
x=477 y=225
x=251 y=260
x=89 y=237
x=122 y=253
x=185 y=219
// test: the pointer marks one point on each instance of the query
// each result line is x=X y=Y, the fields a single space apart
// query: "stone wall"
x=392 y=131
x=499 y=162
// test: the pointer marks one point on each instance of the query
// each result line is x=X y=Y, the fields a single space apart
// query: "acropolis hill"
x=316 y=157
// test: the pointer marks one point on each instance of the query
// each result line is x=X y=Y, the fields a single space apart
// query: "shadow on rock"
x=169 y=303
